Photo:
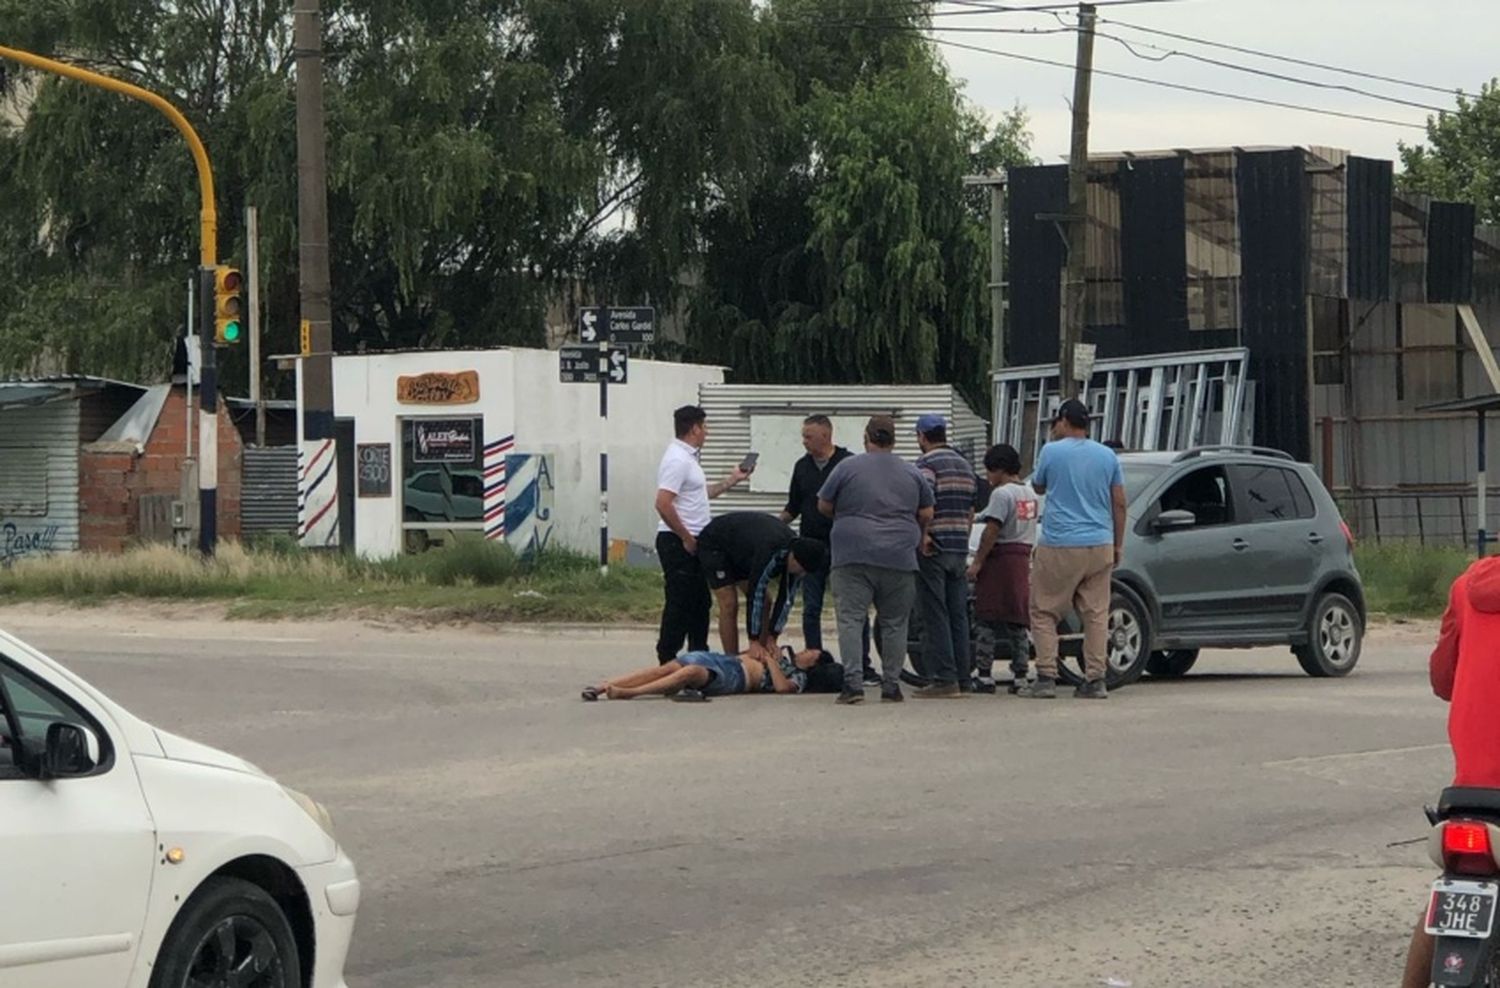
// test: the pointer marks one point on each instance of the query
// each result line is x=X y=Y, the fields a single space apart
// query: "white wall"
x=364 y=389
x=520 y=393
x=563 y=420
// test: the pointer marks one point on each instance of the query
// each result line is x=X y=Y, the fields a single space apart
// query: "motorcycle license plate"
x=1462 y=909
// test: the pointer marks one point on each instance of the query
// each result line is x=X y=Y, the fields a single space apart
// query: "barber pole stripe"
x=318 y=496
x=495 y=486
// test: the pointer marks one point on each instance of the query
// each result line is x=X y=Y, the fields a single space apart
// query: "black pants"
x=684 y=615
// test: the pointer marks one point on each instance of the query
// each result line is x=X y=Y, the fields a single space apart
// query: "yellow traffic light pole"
x=209 y=217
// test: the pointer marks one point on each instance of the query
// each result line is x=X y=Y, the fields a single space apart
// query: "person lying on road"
x=718 y=674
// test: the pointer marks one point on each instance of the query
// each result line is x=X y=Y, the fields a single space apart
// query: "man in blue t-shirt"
x=1083 y=535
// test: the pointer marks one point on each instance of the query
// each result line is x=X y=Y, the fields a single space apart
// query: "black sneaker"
x=939 y=691
x=1094 y=689
x=1016 y=686
x=851 y=696
x=984 y=686
x=891 y=694
x=872 y=678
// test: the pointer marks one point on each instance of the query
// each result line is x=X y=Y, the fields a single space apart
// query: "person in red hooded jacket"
x=1465 y=671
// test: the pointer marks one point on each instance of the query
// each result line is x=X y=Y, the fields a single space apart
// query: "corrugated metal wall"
x=730 y=406
x=268 y=499
x=39 y=487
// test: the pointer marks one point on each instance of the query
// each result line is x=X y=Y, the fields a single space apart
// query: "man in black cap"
x=1083 y=535
x=758 y=554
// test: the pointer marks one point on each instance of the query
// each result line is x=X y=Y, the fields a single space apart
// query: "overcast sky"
x=1446 y=43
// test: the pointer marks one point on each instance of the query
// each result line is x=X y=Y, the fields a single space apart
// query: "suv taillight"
x=1348 y=533
x=1466 y=848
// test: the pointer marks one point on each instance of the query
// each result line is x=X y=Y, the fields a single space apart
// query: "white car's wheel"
x=229 y=933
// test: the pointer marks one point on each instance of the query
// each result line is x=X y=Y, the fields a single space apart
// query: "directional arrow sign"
x=587 y=365
x=588 y=323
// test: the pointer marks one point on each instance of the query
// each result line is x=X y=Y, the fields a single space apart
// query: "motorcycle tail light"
x=1466 y=849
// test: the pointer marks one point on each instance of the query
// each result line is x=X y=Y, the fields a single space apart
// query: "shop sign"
x=443 y=441
x=438 y=388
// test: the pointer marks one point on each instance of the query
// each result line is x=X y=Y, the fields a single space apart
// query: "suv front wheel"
x=1129 y=643
x=1335 y=634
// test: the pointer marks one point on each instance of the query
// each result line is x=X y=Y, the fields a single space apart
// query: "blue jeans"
x=944 y=592
x=726 y=673
x=814 y=590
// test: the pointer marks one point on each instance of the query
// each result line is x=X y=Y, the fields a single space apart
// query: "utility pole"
x=996 y=184
x=252 y=275
x=312 y=254
x=1075 y=286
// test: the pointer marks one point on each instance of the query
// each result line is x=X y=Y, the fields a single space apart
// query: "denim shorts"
x=726 y=673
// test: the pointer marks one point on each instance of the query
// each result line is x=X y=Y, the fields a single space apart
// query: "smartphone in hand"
x=747 y=465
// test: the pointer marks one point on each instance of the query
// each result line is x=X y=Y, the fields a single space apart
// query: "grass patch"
x=472 y=580
x=1409 y=581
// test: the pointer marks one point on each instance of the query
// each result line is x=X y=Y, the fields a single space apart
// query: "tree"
x=791 y=169
x=477 y=151
x=861 y=258
x=1461 y=160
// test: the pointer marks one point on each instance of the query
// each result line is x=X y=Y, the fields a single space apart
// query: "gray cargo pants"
x=892 y=592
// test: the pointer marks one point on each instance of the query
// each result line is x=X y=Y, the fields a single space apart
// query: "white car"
x=131 y=858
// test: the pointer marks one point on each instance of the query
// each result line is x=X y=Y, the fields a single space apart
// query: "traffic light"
x=228 y=326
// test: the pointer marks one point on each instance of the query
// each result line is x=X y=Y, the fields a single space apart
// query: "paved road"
x=1231 y=830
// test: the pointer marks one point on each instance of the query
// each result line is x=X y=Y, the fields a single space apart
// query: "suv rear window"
x=1273 y=493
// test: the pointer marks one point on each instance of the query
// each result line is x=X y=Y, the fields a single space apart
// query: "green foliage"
x=793 y=170
x=471 y=580
x=1409 y=581
x=1461 y=160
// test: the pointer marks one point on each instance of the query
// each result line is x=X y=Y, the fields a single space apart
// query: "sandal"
x=591 y=694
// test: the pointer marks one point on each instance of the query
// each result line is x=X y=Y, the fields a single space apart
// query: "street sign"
x=591 y=321
x=632 y=327
x=590 y=365
x=626 y=326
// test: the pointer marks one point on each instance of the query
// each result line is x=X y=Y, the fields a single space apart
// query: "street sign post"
x=605 y=363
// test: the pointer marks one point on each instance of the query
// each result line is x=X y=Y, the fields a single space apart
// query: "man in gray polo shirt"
x=881 y=507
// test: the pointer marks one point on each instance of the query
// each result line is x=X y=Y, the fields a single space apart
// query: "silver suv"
x=1230 y=547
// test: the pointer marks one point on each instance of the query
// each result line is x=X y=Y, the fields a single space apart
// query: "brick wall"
x=112 y=476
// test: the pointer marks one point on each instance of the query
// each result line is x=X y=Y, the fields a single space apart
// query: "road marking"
x=1310 y=759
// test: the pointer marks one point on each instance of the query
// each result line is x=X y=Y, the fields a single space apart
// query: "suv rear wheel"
x=1129 y=643
x=1335 y=634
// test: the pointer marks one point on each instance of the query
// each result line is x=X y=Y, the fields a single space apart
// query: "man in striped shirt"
x=942 y=578
x=758 y=554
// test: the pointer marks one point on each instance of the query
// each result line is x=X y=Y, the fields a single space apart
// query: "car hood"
x=182 y=750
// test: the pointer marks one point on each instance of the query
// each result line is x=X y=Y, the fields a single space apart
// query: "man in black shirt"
x=802 y=502
x=756 y=553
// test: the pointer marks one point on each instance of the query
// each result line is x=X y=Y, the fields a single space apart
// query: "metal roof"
x=20 y=391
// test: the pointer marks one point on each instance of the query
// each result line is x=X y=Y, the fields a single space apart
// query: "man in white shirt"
x=682 y=496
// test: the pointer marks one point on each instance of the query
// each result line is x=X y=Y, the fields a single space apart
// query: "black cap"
x=1074 y=412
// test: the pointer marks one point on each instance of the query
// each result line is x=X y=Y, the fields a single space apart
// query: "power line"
x=1181 y=86
x=971 y=8
x=1284 y=58
x=1236 y=67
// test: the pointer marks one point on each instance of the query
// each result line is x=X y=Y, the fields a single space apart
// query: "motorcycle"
x=1465 y=843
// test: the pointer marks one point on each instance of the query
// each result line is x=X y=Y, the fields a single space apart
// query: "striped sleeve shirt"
x=953 y=488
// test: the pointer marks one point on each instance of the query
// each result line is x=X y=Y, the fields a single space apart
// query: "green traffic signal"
x=231 y=332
